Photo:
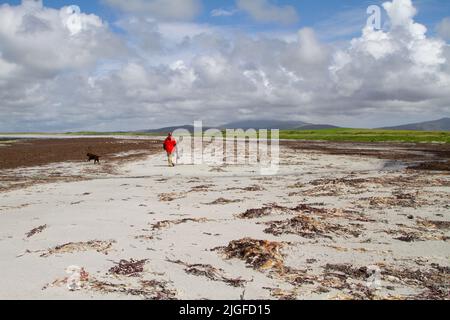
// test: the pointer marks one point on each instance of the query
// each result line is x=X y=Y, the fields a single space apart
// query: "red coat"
x=170 y=144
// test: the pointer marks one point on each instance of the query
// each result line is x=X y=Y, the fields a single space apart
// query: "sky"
x=109 y=65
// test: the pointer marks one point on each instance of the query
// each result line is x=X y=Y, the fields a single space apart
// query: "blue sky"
x=138 y=64
x=312 y=13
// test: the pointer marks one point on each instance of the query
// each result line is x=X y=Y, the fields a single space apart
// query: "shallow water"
x=395 y=165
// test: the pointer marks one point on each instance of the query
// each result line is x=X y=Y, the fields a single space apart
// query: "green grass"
x=366 y=135
x=350 y=135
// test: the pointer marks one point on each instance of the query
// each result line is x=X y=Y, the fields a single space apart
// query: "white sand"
x=124 y=206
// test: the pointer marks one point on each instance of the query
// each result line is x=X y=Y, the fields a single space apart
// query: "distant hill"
x=275 y=124
x=165 y=130
x=264 y=124
x=437 y=125
x=251 y=124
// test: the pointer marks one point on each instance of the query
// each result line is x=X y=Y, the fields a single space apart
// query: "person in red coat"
x=169 y=145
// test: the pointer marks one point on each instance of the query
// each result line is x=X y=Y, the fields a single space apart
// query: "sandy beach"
x=345 y=221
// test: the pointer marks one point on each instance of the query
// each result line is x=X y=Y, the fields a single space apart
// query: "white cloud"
x=400 y=13
x=310 y=50
x=178 y=31
x=38 y=40
x=36 y=47
x=443 y=28
x=400 y=64
x=264 y=11
x=223 y=12
x=159 y=9
x=175 y=72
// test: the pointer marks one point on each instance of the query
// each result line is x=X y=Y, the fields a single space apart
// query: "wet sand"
x=332 y=224
x=25 y=162
x=37 y=152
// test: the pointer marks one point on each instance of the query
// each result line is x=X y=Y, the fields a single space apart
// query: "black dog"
x=93 y=157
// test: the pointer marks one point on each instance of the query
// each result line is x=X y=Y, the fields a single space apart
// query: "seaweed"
x=264 y=211
x=169 y=197
x=433 y=282
x=148 y=289
x=202 y=188
x=167 y=223
x=272 y=209
x=412 y=235
x=99 y=246
x=36 y=230
x=444 y=225
x=281 y=294
x=259 y=254
x=131 y=268
x=210 y=272
x=252 y=188
x=408 y=200
x=308 y=227
x=223 y=201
